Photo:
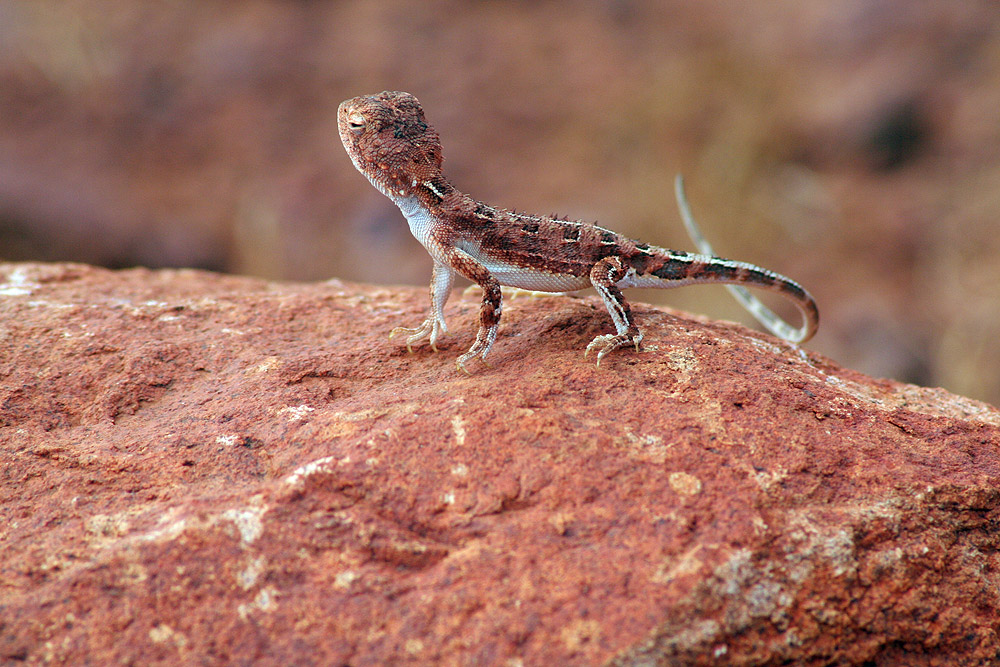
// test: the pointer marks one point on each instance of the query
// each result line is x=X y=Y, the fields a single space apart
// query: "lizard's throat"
x=419 y=218
x=394 y=190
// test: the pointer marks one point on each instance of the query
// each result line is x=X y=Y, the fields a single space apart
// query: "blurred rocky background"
x=851 y=144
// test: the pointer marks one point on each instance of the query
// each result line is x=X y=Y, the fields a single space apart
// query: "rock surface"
x=203 y=469
x=850 y=144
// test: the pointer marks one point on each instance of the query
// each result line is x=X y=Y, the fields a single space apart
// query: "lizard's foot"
x=611 y=342
x=476 y=350
x=430 y=329
x=484 y=341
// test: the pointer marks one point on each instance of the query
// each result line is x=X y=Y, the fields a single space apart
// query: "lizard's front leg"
x=604 y=276
x=489 y=311
x=442 y=279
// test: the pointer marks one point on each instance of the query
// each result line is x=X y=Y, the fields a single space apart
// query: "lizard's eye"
x=357 y=123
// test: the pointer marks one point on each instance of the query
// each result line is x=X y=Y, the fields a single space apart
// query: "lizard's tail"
x=789 y=288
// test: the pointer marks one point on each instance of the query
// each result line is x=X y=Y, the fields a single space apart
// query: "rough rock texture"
x=203 y=469
x=851 y=144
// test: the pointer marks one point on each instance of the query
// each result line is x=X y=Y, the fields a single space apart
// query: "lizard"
x=390 y=142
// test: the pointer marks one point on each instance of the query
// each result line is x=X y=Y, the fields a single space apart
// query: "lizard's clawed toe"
x=610 y=342
x=429 y=329
x=476 y=351
x=468 y=356
x=407 y=331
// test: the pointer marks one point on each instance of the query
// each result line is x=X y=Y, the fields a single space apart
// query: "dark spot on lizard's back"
x=643 y=247
x=673 y=269
x=571 y=233
x=402 y=129
x=484 y=211
x=442 y=186
x=640 y=261
x=608 y=238
x=437 y=189
x=433 y=196
x=530 y=227
x=533 y=245
x=501 y=242
x=512 y=241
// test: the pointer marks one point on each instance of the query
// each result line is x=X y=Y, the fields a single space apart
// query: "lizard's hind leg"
x=604 y=277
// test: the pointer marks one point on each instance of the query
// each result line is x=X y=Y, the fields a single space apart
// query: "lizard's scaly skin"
x=390 y=142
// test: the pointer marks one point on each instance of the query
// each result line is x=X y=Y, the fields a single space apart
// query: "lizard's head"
x=390 y=142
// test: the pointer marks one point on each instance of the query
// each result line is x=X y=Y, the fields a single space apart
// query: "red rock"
x=208 y=469
x=853 y=145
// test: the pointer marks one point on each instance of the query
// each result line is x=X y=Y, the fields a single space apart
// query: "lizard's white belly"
x=531 y=279
x=512 y=275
